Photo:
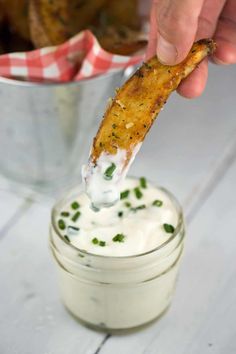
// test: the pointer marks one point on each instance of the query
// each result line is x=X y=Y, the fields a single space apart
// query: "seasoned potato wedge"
x=120 y=40
x=17 y=15
x=137 y=103
x=122 y=47
x=53 y=22
x=123 y=12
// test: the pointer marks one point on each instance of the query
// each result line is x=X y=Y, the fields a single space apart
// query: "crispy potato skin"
x=17 y=15
x=53 y=22
x=138 y=102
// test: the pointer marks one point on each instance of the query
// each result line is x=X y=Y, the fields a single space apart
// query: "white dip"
x=103 y=180
x=143 y=219
x=111 y=285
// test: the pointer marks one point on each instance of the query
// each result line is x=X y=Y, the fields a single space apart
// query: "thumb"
x=177 y=22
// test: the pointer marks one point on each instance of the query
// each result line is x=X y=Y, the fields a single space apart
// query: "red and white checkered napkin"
x=78 y=58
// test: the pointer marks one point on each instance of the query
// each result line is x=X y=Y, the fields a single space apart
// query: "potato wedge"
x=17 y=15
x=53 y=22
x=123 y=13
x=120 y=40
x=122 y=47
x=140 y=99
x=129 y=117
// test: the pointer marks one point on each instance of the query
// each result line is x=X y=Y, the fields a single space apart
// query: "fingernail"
x=166 y=51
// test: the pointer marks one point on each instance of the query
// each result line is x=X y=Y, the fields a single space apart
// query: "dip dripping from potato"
x=127 y=120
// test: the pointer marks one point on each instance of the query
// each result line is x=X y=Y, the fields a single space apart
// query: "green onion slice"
x=118 y=238
x=124 y=194
x=157 y=203
x=138 y=193
x=108 y=174
x=169 y=228
x=143 y=182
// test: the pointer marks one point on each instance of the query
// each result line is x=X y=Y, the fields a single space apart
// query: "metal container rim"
x=30 y=84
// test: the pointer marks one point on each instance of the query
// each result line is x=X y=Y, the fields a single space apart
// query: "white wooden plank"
x=202 y=318
x=32 y=318
x=9 y=205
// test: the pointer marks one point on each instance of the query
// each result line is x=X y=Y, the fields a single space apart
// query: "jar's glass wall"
x=117 y=292
x=118 y=306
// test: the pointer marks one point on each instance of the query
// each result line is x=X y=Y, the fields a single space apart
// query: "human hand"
x=176 y=24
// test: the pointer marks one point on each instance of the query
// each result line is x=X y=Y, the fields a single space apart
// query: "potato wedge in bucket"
x=53 y=22
x=129 y=117
x=123 y=13
x=16 y=12
x=121 y=40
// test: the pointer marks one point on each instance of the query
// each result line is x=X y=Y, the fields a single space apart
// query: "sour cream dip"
x=103 y=179
x=118 y=267
x=141 y=220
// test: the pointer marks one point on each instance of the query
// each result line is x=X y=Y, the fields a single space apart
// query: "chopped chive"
x=138 y=193
x=66 y=238
x=120 y=214
x=65 y=214
x=114 y=126
x=73 y=228
x=76 y=216
x=124 y=194
x=157 y=203
x=140 y=207
x=169 y=228
x=109 y=171
x=143 y=182
x=75 y=205
x=118 y=238
x=61 y=224
x=128 y=204
x=95 y=241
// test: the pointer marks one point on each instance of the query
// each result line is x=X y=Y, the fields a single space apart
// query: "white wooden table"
x=192 y=151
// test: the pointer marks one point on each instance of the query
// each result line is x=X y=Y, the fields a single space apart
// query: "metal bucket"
x=46 y=129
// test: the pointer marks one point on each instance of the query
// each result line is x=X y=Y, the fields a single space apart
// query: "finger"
x=152 y=38
x=225 y=53
x=208 y=18
x=225 y=35
x=195 y=83
x=177 y=22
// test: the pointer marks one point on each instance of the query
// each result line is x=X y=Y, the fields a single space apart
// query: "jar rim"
x=83 y=252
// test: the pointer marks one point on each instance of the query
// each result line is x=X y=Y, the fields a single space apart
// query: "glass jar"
x=115 y=293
